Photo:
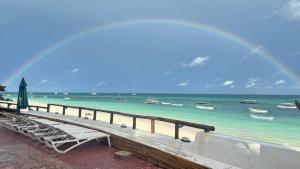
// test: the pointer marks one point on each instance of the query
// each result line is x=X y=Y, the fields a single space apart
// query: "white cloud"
x=257 y=49
x=250 y=85
x=75 y=70
x=251 y=82
x=184 y=84
x=102 y=83
x=228 y=83
x=279 y=82
x=198 y=61
x=253 y=51
x=291 y=10
x=43 y=81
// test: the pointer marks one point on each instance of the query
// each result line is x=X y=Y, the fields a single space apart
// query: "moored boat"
x=248 y=102
x=257 y=110
x=287 y=105
x=151 y=101
x=254 y=116
x=204 y=106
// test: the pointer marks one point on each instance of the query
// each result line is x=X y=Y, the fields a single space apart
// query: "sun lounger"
x=75 y=140
x=61 y=137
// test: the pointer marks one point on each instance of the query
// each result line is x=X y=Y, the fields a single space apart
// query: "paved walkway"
x=20 y=152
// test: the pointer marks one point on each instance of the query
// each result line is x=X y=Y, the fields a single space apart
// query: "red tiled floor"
x=18 y=151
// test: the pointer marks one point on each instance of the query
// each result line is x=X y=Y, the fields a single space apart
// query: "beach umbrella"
x=22 y=96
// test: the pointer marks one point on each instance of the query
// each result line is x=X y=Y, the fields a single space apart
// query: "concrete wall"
x=242 y=153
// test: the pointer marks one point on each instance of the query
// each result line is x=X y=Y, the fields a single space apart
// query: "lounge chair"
x=77 y=140
x=74 y=136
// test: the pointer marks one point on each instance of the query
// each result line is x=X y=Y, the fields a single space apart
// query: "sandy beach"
x=161 y=127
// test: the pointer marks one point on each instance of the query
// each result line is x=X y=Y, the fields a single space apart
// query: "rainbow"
x=203 y=27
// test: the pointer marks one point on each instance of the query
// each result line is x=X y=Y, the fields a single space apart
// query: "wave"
x=67 y=98
x=205 y=107
x=269 y=118
x=286 y=107
x=258 y=110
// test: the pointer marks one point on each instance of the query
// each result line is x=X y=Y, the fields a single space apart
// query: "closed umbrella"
x=22 y=96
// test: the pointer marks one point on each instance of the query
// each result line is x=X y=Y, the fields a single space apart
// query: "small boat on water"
x=120 y=99
x=165 y=103
x=203 y=106
x=259 y=117
x=67 y=98
x=202 y=103
x=178 y=105
x=257 y=110
x=248 y=102
x=93 y=93
x=66 y=93
x=152 y=101
x=286 y=106
x=56 y=93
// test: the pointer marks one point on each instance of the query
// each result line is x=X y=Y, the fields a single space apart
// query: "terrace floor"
x=20 y=152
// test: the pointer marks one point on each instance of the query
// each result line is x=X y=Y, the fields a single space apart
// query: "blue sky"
x=164 y=58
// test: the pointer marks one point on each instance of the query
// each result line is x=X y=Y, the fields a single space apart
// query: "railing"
x=177 y=123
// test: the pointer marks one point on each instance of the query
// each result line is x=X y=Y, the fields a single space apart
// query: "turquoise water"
x=229 y=116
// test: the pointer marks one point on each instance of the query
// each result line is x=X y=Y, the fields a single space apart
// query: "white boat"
x=269 y=118
x=67 y=98
x=248 y=102
x=258 y=110
x=66 y=93
x=93 y=93
x=120 y=99
x=178 y=105
x=205 y=107
x=287 y=104
x=165 y=103
x=152 y=101
x=56 y=93
x=133 y=93
x=286 y=107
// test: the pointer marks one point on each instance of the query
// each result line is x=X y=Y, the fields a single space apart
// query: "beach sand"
x=161 y=127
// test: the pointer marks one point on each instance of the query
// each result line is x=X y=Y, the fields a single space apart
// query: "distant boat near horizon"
x=66 y=93
x=253 y=110
x=56 y=93
x=120 y=99
x=204 y=106
x=93 y=93
x=287 y=106
x=260 y=117
x=178 y=105
x=150 y=100
x=248 y=102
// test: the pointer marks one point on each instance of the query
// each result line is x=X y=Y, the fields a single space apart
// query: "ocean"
x=230 y=117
